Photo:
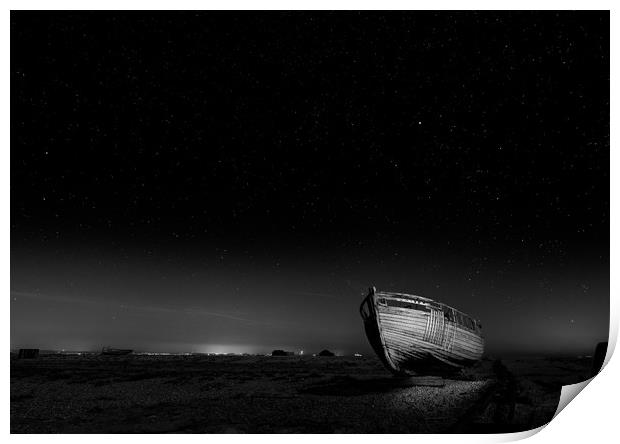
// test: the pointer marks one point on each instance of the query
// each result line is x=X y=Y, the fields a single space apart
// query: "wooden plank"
x=408 y=334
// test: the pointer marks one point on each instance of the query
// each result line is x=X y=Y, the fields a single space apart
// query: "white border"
x=310 y=5
x=590 y=419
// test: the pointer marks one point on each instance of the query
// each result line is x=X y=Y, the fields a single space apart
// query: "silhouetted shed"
x=281 y=353
x=599 y=358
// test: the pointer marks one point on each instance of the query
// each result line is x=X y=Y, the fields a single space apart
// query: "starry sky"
x=235 y=181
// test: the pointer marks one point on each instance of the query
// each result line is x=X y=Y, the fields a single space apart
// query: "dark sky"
x=235 y=181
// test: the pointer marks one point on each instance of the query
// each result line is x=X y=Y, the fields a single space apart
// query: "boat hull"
x=414 y=335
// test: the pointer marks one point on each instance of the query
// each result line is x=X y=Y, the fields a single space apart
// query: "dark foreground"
x=251 y=394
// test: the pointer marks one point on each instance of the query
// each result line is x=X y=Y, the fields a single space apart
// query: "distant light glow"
x=223 y=349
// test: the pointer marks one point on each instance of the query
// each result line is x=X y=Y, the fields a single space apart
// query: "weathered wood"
x=414 y=335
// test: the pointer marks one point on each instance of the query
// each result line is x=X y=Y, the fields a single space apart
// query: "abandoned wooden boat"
x=415 y=335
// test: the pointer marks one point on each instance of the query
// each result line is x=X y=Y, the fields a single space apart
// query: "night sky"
x=234 y=182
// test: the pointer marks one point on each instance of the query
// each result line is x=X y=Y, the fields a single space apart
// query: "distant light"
x=301 y=352
x=357 y=355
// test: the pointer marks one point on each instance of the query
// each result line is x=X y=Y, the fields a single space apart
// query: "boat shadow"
x=358 y=386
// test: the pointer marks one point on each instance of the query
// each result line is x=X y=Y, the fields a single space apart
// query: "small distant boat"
x=415 y=335
x=115 y=351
